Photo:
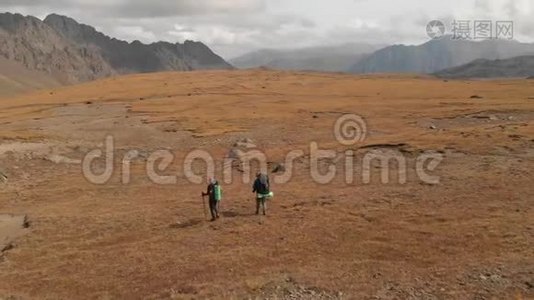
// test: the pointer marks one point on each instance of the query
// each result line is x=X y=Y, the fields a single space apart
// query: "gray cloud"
x=165 y=8
x=232 y=27
x=143 y=8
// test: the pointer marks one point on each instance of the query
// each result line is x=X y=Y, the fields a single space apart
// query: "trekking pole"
x=204 y=205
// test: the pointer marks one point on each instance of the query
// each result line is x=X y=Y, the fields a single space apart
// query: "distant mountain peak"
x=74 y=52
x=13 y=21
x=438 y=54
x=55 y=17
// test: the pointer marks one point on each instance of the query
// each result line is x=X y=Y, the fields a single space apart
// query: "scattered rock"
x=400 y=146
x=290 y=289
x=480 y=117
x=247 y=140
x=88 y=102
x=7 y=247
x=245 y=143
x=476 y=97
x=3 y=177
x=235 y=153
x=26 y=222
x=11 y=227
x=315 y=117
x=433 y=127
x=277 y=168
x=171 y=129
x=515 y=136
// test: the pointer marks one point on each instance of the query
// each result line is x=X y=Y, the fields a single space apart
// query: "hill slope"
x=15 y=78
x=35 y=45
x=522 y=66
x=437 y=55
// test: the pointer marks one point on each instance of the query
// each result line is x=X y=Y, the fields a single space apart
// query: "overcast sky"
x=233 y=27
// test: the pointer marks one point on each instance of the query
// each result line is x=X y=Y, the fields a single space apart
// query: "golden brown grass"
x=469 y=236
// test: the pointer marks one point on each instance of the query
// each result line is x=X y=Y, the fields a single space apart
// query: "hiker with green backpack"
x=262 y=189
x=214 y=191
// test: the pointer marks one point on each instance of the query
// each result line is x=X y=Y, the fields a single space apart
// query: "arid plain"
x=470 y=236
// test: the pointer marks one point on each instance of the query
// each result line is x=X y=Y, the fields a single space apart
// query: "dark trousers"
x=214 y=208
x=261 y=202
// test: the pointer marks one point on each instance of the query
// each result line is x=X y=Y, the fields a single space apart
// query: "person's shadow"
x=233 y=214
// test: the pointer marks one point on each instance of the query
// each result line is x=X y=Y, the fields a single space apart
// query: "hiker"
x=214 y=192
x=262 y=189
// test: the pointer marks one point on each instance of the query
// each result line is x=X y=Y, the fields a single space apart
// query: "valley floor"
x=468 y=236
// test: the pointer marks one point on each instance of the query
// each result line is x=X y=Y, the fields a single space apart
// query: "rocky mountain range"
x=337 y=58
x=15 y=78
x=517 y=67
x=437 y=55
x=428 y=58
x=59 y=50
x=72 y=52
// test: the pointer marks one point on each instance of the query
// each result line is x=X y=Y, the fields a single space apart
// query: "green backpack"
x=217 y=192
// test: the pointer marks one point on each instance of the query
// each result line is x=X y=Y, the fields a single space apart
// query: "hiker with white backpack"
x=262 y=189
